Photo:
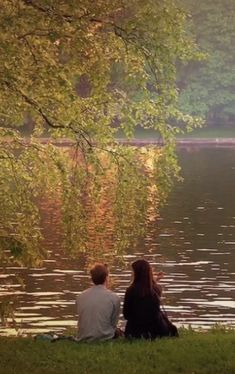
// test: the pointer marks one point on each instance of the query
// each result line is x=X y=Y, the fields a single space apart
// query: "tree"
x=208 y=87
x=57 y=68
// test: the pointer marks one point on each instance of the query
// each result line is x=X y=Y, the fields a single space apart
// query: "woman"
x=142 y=305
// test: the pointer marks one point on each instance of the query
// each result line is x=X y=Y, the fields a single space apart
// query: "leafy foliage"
x=208 y=86
x=60 y=64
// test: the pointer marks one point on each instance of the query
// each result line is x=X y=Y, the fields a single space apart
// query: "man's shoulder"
x=93 y=289
x=107 y=292
x=112 y=293
x=101 y=291
x=84 y=293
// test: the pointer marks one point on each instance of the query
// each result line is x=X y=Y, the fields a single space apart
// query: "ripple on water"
x=41 y=293
x=35 y=275
x=181 y=242
x=207 y=249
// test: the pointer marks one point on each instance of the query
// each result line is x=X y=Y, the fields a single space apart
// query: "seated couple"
x=98 y=308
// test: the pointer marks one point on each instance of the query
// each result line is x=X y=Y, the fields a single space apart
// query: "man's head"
x=99 y=274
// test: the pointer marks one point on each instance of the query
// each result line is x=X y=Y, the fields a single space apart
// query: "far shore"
x=142 y=142
x=215 y=142
x=182 y=141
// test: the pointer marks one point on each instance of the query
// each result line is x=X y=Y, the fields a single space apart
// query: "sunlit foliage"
x=79 y=70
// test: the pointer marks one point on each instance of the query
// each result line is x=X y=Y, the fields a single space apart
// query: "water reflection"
x=193 y=242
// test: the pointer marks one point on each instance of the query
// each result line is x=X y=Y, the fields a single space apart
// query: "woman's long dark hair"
x=143 y=278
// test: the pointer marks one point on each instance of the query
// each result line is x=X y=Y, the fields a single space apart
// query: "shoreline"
x=138 y=142
x=218 y=142
x=181 y=142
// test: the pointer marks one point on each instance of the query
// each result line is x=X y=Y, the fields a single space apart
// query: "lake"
x=193 y=242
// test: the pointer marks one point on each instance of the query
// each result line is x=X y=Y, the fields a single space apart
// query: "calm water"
x=193 y=242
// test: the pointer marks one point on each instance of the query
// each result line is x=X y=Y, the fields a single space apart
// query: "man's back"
x=98 y=311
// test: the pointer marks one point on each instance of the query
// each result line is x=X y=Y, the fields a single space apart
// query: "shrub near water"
x=211 y=353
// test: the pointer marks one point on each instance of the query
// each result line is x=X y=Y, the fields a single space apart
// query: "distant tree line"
x=208 y=86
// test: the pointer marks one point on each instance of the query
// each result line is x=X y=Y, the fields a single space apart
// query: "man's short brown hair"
x=99 y=273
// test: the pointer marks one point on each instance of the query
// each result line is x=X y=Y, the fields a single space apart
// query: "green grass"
x=192 y=353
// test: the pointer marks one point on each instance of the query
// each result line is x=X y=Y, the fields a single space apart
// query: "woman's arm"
x=159 y=275
x=157 y=286
x=157 y=289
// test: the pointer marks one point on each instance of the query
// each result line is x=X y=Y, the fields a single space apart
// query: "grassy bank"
x=211 y=353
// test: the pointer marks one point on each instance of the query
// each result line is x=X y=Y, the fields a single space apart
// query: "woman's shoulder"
x=131 y=290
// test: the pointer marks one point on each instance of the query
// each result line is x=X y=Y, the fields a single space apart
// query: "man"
x=98 y=308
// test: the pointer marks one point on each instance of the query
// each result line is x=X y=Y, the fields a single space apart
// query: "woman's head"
x=143 y=276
